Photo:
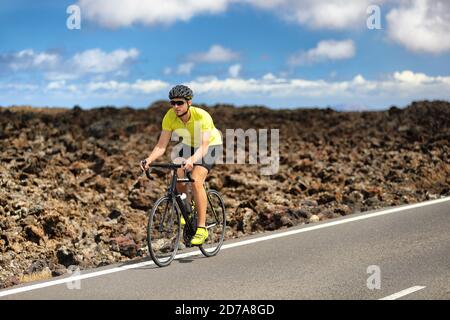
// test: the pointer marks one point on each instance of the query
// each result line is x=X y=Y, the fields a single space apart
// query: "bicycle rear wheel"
x=163 y=231
x=215 y=224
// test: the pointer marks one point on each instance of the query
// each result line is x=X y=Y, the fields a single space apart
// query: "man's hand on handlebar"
x=145 y=164
x=188 y=164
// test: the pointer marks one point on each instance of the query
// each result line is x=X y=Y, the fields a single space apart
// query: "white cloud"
x=29 y=59
x=119 y=13
x=234 y=70
x=139 y=86
x=331 y=14
x=185 y=68
x=60 y=75
x=56 y=85
x=405 y=84
x=427 y=20
x=73 y=88
x=148 y=86
x=111 y=89
x=421 y=25
x=55 y=68
x=267 y=4
x=325 y=50
x=412 y=78
x=98 y=61
x=359 y=79
x=93 y=61
x=320 y=14
x=269 y=77
x=215 y=54
x=19 y=86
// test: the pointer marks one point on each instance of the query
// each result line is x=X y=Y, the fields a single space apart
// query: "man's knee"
x=181 y=186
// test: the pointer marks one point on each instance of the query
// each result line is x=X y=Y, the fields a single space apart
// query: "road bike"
x=164 y=229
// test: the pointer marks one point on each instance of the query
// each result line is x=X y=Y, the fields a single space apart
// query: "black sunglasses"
x=176 y=103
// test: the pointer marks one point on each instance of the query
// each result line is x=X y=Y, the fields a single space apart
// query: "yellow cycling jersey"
x=200 y=121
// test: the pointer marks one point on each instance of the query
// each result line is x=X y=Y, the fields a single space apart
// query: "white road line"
x=335 y=223
x=403 y=293
x=224 y=247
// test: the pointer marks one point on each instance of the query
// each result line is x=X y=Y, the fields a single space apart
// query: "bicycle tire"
x=161 y=250
x=215 y=224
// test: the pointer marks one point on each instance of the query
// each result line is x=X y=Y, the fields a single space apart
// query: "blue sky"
x=279 y=53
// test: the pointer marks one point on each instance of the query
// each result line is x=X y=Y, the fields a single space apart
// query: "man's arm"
x=160 y=147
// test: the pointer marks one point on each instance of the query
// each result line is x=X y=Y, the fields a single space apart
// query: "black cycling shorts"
x=208 y=160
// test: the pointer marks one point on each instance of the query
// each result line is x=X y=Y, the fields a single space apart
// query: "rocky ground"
x=67 y=192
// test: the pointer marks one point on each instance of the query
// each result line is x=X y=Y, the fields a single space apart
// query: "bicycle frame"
x=173 y=193
x=190 y=226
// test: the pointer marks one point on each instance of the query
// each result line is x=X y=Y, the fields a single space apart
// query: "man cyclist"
x=202 y=144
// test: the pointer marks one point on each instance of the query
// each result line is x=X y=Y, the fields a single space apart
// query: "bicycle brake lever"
x=147 y=172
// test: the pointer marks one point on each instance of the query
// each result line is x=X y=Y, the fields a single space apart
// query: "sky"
x=349 y=55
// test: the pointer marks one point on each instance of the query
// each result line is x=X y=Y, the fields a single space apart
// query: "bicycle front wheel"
x=163 y=231
x=215 y=224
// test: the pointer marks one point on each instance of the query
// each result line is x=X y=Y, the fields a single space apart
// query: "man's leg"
x=181 y=186
x=199 y=174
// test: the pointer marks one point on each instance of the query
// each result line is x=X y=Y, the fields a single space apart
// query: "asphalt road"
x=334 y=259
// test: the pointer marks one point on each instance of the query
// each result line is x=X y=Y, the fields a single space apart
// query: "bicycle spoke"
x=163 y=218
